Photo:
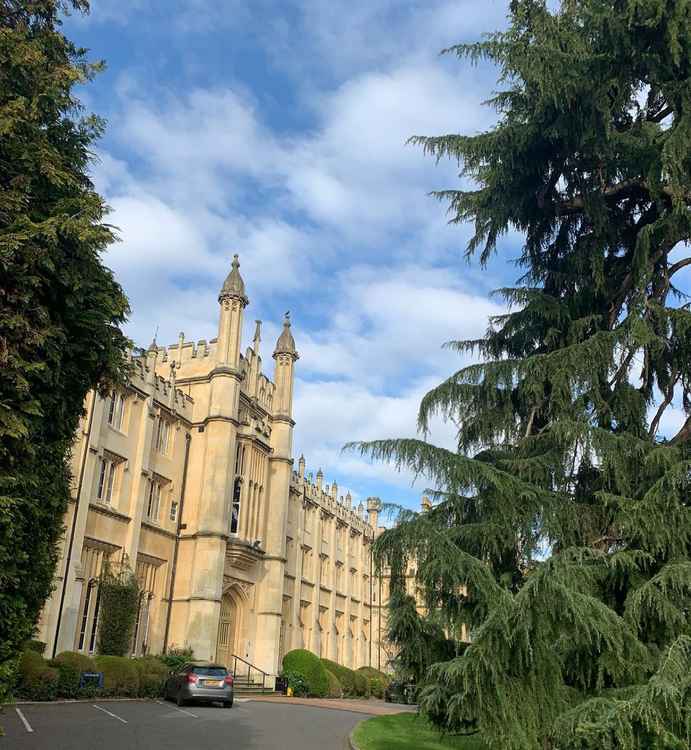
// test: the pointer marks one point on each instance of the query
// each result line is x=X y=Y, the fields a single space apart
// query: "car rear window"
x=211 y=671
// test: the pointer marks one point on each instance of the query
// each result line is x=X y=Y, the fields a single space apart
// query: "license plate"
x=212 y=683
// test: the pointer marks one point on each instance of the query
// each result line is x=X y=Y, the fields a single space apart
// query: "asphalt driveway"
x=130 y=725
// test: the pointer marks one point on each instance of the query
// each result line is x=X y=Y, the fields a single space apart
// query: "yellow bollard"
x=289 y=692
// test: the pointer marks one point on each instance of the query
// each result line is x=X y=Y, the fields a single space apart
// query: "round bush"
x=310 y=667
x=37 y=681
x=152 y=676
x=335 y=689
x=354 y=683
x=378 y=681
x=120 y=675
x=70 y=665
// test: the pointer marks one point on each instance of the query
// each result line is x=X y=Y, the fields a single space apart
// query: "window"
x=106 y=479
x=162 y=435
x=153 y=501
x=235 y=508
x=174 y=511
x=115 y=410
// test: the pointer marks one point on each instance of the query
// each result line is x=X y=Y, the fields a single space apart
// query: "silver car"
x=201 y=681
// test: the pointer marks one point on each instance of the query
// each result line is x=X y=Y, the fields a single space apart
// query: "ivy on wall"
x=118 y=610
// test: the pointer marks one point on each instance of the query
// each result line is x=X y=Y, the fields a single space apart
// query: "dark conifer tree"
x=561 y=530
x=59 y=306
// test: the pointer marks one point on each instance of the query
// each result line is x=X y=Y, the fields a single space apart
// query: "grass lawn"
x=408 y=732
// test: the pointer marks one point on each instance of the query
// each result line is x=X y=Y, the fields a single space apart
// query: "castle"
x=187 y=475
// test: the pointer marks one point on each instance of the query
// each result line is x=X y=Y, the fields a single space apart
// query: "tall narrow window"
x=85 y=615
x=115 y=410
x=162 y=435
x=174 y=511
x=94 y=624
x=107 y=480
x=235 y=508
x=153 y=501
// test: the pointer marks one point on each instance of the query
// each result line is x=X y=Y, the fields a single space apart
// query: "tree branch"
x=669 y=395
x=684 y=434
x=678 y=266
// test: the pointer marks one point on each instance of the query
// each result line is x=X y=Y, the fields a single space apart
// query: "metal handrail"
x=250 y=667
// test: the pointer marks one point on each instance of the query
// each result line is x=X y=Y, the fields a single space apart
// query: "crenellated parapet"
x=164 y=391
x=327 y=499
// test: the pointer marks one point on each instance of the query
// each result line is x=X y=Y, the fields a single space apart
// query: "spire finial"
x=286 y=342
x=234 y=287
x=153 y=346
x=257 y=335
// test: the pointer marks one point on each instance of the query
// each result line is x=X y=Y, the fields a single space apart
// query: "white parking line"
x=181 y=710
x=115 y=716
x=27 y=726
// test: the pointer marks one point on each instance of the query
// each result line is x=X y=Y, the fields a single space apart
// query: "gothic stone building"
x=187 y=476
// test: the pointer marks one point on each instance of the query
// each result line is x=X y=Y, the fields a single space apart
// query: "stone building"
x=187 y=476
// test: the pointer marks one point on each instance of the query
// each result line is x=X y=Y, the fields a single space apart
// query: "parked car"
x=200 y=681
x=400 y=692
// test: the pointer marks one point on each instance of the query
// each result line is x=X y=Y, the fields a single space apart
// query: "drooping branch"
x=684 y=433
x=669 y=395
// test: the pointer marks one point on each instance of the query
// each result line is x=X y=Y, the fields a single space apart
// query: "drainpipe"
x=74 y=522
x=174 y=565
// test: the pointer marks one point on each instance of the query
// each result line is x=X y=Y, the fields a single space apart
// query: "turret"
x=320 y=479
x=373 y=508
x=425 y=504
x=285 y=356
x=301 y=467
x=233 y=301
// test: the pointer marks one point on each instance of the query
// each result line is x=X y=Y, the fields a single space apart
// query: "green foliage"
x=9 y=676
x=353 y=683
x=32 y=645
x=175 y=658
x=120 y=675
x=70 y=665
x=377 y=681
x=59 y=306
x=153 y=673
x=119 y=596
x=37 y=681
x=310 y=667
x=335 y=688
x=296 y=682
x=560 y=534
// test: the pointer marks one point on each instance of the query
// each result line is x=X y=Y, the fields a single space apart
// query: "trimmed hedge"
x=310 y=667
x=354 y=683
x=378 y=681
x=152 y=676
x=120 y=675
x=37 y=681
x=70 y=665
x=335 y=688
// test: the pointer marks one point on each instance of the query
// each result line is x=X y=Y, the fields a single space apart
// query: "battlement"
x=327 y=498
x=163 y=390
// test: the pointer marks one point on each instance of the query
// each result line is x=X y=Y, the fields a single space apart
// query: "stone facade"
x=187 y=475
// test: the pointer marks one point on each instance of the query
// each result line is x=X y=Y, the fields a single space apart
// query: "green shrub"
x=153 y=673
x=120 y=675
x=175 y=658
x=70 y=665
x=335 y=688
x=310 y=667
x=378 y=681
x=9 y=676
x=119 y=597
x=354 y=683
x=37 y=681
x=296 y=682
x=38 y=646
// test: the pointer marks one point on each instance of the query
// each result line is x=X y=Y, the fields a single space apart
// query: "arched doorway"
x=227 y=630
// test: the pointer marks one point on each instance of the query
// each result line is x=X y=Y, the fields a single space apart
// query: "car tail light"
x=192 y=677
x=229 y=679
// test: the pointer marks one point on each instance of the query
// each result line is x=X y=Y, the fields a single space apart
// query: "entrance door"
x=225 y=645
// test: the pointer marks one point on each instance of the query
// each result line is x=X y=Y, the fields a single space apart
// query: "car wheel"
x=180 y=700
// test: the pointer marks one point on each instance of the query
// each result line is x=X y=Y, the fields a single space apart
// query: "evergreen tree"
x=59 y=306
x=561 y=528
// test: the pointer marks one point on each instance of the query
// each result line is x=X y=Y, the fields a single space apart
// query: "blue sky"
x=277 y=130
